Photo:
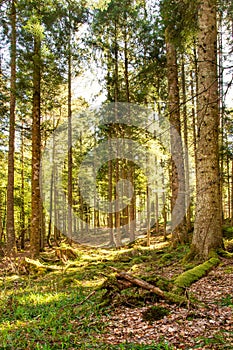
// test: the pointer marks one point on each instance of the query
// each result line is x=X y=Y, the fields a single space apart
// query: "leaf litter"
x=205 y=324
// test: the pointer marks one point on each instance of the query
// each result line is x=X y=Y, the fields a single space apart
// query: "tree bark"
x=10 y=228
x=207 y=229
x=70 y=155
x=22 y=207
x=35 y=237
x=186 y=153
x=179 y=230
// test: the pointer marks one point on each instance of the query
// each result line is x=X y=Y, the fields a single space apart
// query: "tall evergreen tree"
x=207 y=228
x=35 y=237
x=179 y=229
x=11 y=245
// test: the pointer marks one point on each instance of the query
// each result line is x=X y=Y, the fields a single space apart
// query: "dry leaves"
x=211 y=317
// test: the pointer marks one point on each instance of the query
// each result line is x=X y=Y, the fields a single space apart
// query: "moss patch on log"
x=188 y=277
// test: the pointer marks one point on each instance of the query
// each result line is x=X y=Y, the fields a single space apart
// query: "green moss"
x=154 y=313
x=158 y=281
x=227 y=232
x=166 y=257
x=225 y=254
x=188 y=266
x=188 y=277
x=229 y=245
x=175 y=298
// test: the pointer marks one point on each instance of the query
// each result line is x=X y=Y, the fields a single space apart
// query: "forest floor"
x=59 y=303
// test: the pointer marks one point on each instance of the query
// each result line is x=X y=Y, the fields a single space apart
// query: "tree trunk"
x=232 y=192
x=10 y=229
x=207 y=229
x=35 y=238
x=179 y=230
x=110 y=215
x=70 y=156
x=22 y=207
x=186 y=154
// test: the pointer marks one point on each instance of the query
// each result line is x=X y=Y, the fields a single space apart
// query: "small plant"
x=217 y=339
x=155 y=313
x=227 y=301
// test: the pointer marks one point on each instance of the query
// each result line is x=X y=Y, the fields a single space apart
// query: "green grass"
x=227 y=301
x=130 y=346
x=218 y=339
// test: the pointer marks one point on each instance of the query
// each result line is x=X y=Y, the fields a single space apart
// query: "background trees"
x=157 y=55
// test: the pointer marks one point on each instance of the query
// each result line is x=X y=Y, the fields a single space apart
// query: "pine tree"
x=11 y=244
x=207 y=228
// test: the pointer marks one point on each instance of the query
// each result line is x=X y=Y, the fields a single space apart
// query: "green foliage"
x=180 y=17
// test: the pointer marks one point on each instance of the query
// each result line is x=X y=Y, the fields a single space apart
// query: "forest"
x=116 y=163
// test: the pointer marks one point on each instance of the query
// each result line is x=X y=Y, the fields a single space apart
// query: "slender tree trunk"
x=131 y=207
x=70 y=155
x=186 y=155
x=207 y=228
x=35 y=237
x=22 y=207
x=228 y=188
x=11 y=244
x=1 y=216
x=194 y=126
x=57 y=211
x=43 y=226
x=148 y=212
x=117 y=169
x=221 y=108
x=110 y=215
x=51 y=194
x=156 y=198
x=179 y=229
x=164 y=210
x=232 y=192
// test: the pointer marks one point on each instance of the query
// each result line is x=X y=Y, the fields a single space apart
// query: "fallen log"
x=38 y=266
x=169 y=296
x=139 y=282
x=187 y=278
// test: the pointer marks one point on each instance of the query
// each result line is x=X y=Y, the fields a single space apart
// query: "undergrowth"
x=62 y=309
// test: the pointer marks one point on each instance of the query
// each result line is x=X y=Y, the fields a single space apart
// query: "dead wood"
x=88 y=297
x=37 y=265
x=65 y=253
x=139 y=282
x=169 y=296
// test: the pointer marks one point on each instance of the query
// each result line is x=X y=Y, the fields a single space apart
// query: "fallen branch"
x=88 y=297
x=139 y=282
